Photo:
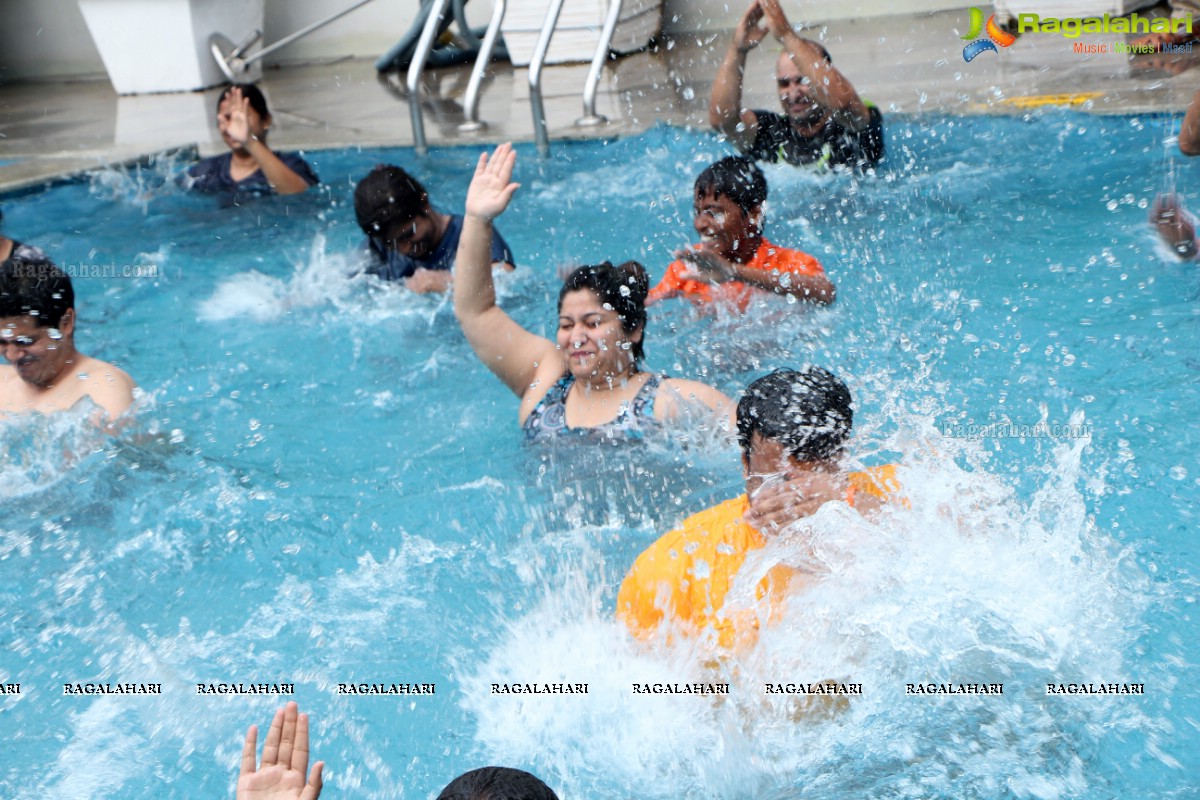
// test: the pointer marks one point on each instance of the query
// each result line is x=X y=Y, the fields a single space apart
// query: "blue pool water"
x=326 y=487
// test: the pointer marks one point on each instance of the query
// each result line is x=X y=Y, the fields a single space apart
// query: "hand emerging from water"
x=284 y=761
x=781 y=501
x=492 y=188
x=424 y=281
x=706 y=266
x=1174 y=225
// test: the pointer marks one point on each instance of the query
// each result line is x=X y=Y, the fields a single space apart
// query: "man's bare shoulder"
x=109 y=386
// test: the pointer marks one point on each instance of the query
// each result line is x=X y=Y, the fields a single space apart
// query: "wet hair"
x=497 y=783
x=251 y=93
x=387 y=194
x=735 y=177
x=34 y=286
x=808 y=411
x=622 y=288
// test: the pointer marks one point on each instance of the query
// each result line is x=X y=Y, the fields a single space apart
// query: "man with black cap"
x=792 y=426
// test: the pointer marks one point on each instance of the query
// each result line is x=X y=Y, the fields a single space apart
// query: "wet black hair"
x=35 y=287
x=387 y=194
x=251 y=93
x=622 y=288
x=808 y=411
x=497 y=783
x=735 y=177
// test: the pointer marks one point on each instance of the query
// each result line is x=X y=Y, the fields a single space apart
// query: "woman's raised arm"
x=512 y=353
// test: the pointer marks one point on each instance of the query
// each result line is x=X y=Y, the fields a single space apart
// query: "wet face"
x=592 y=338
x=416 y=238
x=795 y=93
x=769 y=460
x=722 y=225
x=258 y=125
x=38 y=354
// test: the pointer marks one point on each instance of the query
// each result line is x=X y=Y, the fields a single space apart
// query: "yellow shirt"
x=689 y=571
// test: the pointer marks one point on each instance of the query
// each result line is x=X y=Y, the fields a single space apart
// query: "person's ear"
x=755 y=217
x=66 y=324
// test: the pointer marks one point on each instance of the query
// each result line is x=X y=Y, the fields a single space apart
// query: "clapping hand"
x=706 y=266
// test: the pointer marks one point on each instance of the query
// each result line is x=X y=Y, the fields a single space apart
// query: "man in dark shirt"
x=824 y=122
x=250 y=167
x=406 y=238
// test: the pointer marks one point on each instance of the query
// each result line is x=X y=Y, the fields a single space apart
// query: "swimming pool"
x=332 y=490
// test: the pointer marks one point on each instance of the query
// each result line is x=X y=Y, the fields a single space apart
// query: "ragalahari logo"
x=1002 y=38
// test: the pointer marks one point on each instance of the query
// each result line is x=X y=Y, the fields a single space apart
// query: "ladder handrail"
x=603 y=48
x=535 y=76
x=424 y=47
x=471 y=103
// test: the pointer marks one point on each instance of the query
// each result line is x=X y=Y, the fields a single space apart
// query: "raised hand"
x=280 y=776
x=233 y=119
x=492 y=188
x=777 y=21
x=748 y=34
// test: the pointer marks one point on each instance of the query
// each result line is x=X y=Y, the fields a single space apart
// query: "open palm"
x=280 y=776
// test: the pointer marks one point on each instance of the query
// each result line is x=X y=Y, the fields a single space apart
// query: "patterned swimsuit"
x=548 y=420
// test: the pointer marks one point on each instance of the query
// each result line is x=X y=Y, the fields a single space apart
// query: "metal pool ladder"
x=471 y=104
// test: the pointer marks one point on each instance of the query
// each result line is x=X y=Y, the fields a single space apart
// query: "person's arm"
x=682 y=393
x=831 y=88
x=1189 y=132
x=725 y=112
x=512 y=353
x=278 y=174
x=712 y=268
x=280 y=776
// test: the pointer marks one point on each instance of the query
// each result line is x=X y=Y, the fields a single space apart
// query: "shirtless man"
x=37 y=338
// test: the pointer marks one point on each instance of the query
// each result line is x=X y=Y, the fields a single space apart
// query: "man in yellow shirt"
x=792 y=426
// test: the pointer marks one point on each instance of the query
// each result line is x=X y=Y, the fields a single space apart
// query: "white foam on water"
x=969 y=584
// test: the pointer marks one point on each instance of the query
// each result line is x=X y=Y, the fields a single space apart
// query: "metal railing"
x=471 y=103
x=420 y=57
x=603 y=50
x=536 y=64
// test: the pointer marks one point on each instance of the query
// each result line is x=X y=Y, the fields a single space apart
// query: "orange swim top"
x=688 y=572
x=768 y=257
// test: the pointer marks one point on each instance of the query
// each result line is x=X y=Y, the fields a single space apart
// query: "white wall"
x=681 y=16
x=45 y=38
x=48 y=38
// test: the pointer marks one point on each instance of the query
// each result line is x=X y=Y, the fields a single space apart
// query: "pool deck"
x=909 y=64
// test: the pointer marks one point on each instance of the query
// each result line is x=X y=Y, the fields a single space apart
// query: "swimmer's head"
x=258 y=103
x=622 y=288
x=497 y=783
x=735 y=177
x=393 y=206
x=807 y=411
x=35 y=287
